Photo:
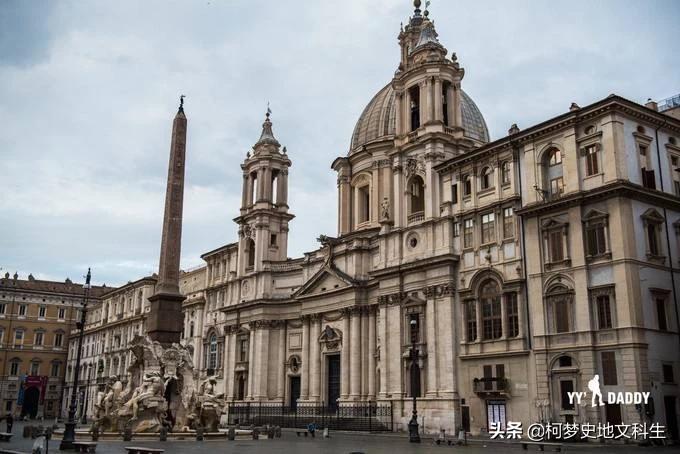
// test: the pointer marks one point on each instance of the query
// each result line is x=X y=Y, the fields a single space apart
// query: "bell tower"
x=263 y=223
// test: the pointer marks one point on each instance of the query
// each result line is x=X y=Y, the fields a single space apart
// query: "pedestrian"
x=311 y=428
x=10 y=422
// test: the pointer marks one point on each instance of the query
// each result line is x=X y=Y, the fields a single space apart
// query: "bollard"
x=231 y=433
x=325 y=433
x=127 y=434
x=199 y=433
x=163 y=434
x=95 y=433
x=270 y=432
x=256 y=433
x=277 y=431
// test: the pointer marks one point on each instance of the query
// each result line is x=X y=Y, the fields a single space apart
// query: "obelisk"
x=164 y=322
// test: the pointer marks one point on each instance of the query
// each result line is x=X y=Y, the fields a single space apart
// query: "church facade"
x=516 y=270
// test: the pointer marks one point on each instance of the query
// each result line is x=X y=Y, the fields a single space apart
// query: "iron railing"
x=366 y=417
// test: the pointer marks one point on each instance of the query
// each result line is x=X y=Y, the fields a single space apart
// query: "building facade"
x=36 y=318
x=519 y=268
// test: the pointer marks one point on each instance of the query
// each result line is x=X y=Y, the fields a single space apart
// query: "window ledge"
x=510 y=239
x=598 y=257
x=565 y=262
x=656 y=258
x=486 y=191
x=506 y=185
x=599 y=174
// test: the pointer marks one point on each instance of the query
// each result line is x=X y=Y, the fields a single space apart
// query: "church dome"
x=378 y=120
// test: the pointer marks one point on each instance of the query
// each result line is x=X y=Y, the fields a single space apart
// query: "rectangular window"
x=595 y=239
x=661 y=314
x=556 y=245
x=456 y=229
x=454 y=194
x=18 y=337
x=55 y=370
x=604 y=313
x=508 y=223
x=467 y=185
x=488 y=228
x=613 y=414
x=2 y=308
x=512 y=310
x=272 y=239
x=566 y=387
x=22 y=309
x=556 y=187
x=42 y=311
x=592 y=167
x=58 y=339
x=652 y=239
x=648 y=178
x=35 y=368
x=471 y=320
x=14 y=368
x=38 y=338
x=676 y=186
x=492 y=327
x=414 y=328
x=668 y=376
x=468 y=231
x=609 y=368
x=562 y=316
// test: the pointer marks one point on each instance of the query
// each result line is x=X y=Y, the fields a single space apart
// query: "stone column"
x=344 y=203
x=355 y=360
x=281 y=388
x=364 y=353
x=399 y=99
x=438 y=103
x=304 y=393
x=344 y=355
x=263 y=360
x=384 y=351
x=314 y=358
x=371 y=353
x=284 y=187
x=427 y=85
x=260 y=185
x=251 y=363
x=504 y=315
x=267 y=184
x=279 y=189
x=398 y=195
x=244 y=195
x=431 y=333
x=231 y=365
x=455 y=112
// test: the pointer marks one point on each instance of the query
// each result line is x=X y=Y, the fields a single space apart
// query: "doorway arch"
x=31 y=400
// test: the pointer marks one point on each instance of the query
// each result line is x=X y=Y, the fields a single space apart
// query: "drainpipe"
x=515 y=150
x=665 y=216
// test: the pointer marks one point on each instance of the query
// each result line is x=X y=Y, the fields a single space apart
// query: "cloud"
x=89 y=90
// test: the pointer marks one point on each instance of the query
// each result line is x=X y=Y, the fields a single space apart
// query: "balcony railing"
x=491 y=385
x=418 y=216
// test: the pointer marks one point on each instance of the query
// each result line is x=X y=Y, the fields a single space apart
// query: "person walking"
x=9 y=420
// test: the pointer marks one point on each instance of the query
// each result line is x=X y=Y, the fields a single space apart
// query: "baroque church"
x=514 y=270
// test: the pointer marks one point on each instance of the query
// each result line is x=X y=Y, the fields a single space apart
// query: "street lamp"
x=413 y=435
x=70 y=426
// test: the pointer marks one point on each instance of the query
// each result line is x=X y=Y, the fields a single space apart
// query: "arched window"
x=275 y=187
x=250 y=245
x=559 y=301
x=492 y=321
x=212 y=352
x=417 y=195
x=253 y=187
x=364 y=203
x=486 y=179
x=553 y=173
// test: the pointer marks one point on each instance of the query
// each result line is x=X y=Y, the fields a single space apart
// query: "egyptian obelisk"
x=165 y=320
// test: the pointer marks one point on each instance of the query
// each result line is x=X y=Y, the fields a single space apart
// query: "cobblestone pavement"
x=339 y=443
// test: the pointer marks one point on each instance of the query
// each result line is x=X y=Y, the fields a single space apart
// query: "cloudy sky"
x=88 y=90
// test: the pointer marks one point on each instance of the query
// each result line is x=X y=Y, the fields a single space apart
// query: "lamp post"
x=413 y=435
x=70 y=426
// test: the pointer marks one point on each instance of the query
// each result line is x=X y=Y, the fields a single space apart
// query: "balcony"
x=491 y=386
x=418 y=216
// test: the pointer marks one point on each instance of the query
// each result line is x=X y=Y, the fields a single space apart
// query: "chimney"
x=652 y=105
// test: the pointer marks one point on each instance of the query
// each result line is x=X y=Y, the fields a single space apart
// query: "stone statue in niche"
x=385 y=209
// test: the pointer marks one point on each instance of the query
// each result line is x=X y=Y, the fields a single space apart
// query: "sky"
x=88 y=90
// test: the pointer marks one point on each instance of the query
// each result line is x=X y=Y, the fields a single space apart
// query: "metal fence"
x=367 y=417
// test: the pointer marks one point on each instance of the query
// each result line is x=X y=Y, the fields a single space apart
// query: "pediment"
x=325 y=280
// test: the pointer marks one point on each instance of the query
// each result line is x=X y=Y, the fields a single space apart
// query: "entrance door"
x=294 y=392
x=495 y=410
x=333 y=381
x=671 y=417
x=31 y=398
x=466 y=417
